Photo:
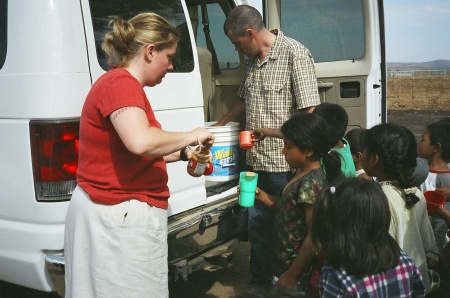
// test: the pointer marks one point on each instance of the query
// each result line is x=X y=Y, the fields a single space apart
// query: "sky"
x=417 y=30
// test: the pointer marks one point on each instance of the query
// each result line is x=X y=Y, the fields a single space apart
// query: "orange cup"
x=245 y=139
x=434 y=200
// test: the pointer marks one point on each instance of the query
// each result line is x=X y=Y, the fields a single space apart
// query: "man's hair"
x=241 y=18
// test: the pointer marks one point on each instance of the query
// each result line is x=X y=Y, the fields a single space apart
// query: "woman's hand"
x=204 y=137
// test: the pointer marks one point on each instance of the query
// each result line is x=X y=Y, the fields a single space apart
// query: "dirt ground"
x=234 y=281
x=416 y=120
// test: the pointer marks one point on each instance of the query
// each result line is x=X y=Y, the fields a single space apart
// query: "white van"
x=49 y=58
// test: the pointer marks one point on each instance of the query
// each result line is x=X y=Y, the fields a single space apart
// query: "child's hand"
x=445 y=190
x=287 y=281
x=431 y=263
x=258 y=135
x=444 y=214
x=257 y=192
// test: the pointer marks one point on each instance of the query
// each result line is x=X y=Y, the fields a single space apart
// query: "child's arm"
x=261 y=133
x=265 y=198
x=445 y=190
x=304 y=257
x=444 y=214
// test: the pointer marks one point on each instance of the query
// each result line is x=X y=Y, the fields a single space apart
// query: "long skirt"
x=115 y=250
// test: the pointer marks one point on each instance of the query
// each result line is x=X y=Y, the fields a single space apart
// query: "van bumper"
x=205 y=238
x=200 y=239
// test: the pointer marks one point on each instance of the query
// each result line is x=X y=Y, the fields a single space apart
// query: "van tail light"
x=54 y=153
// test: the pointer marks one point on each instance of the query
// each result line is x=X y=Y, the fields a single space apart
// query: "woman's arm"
x=133 y=128
x=304 y=257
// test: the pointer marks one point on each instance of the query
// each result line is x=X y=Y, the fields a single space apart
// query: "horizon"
x=412 y=62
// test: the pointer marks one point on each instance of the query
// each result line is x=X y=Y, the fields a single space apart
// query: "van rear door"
x=346 y=39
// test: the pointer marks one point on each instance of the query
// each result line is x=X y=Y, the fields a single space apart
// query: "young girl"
x=354 y=138
x=351 y=223
x=389 y=153
x=306 y=143
x=434 y=146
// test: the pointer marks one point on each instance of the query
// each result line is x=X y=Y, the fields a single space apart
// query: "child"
x=434 y=146
x=351 y=223
x=354 y=138
x=306 y=142
x=389 y=153
x=443 y=266
x=337 y=121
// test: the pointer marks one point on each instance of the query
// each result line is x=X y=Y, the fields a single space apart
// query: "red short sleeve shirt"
x=107 y=171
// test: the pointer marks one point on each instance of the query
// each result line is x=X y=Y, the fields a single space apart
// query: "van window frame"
x=3 y=31
x=171 y=10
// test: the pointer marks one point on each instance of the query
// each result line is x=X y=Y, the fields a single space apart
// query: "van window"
x=227 y=56
x=3 y=37
x=331 y=30
x=171 y=10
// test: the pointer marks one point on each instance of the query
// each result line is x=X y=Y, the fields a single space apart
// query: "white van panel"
x=26 y=226
x=47 y=95
x=186 y=192
x=44 y=77
x=63 y=37
x=177 y=91
x=17 y=173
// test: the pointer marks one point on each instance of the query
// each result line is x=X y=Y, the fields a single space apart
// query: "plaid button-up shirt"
x=274 y=90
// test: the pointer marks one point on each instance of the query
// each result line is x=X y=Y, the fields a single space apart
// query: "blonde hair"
x=128 y=37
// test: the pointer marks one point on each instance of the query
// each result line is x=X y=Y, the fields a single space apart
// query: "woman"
x=116 y=225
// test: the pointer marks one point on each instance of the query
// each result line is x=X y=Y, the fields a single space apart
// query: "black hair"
x=241 y=18
x=310 y=132
x=354 y=138
x=445 y=119
x=440 y=134
x=336 y=118
x=351 y=224
x=396 y=148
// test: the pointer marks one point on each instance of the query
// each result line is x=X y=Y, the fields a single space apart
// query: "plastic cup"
x=247 y=188
x=245 y=139
x=434 y=200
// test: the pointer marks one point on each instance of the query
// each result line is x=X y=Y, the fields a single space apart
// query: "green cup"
x=247 y=188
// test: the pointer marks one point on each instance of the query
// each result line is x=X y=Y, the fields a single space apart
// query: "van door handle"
x=324 y=85
x=376 y=86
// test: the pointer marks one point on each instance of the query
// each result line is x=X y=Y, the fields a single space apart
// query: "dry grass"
x=419 y=93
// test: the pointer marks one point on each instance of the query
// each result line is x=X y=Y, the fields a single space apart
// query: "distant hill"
x=441 y=64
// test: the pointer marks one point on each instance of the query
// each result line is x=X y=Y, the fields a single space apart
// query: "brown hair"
x=128 y=37
x=241 y=18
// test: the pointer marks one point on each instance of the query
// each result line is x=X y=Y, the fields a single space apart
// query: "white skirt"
x=115 y=250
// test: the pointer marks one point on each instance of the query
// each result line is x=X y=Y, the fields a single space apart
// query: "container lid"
x=230 y=126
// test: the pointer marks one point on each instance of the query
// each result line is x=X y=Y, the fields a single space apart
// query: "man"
x=278 y=81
